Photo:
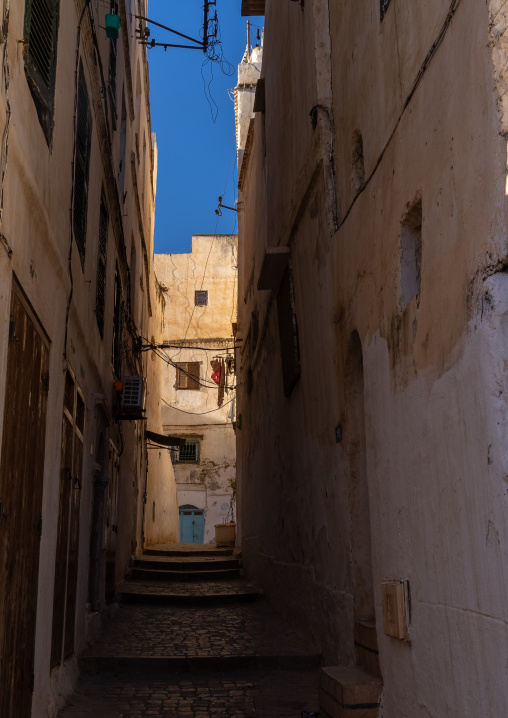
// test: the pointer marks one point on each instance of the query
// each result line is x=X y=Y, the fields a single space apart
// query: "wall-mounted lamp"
x=113 y=24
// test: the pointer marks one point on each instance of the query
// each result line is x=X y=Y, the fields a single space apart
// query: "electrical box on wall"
x=395 y=597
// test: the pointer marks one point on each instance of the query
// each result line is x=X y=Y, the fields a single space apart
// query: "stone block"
x=349 y=692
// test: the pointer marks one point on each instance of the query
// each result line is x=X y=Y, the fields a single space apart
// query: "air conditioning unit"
x=133 y=394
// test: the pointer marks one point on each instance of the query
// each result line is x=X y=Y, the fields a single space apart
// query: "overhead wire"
x=199 y=413
x=201 y=382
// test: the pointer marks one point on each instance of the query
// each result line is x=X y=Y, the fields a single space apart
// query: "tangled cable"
x=214 y=55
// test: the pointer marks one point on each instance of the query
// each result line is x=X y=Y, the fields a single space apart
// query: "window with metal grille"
x=187 y=454
x=288 y=332
x=187 y=375
x=384 y=7
x=201 y=298
x=123 y=144
x=100 y=295
x=112 y=63
x=116 y=356
x=41 y=32
x=82 y=165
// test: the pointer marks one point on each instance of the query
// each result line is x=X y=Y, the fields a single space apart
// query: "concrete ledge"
x=349 y=692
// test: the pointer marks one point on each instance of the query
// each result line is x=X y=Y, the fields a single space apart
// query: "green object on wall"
x=113 y=23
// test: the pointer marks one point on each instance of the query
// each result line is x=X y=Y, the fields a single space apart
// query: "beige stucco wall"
x=433 y=373
x=161 y=491
x=198 y=334
x=36 y=226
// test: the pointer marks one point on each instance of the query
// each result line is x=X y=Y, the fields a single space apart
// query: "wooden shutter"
x=21 y=478
x=187 y=375
x=82 y=165
x=116 y=356
x=288 y=332
x=193 y=375
x=41 y=32
x=181 y=375
x=100 y=297
x=112 y=523
x=62 y=544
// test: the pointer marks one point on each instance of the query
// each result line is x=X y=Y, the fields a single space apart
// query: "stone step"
x=156 y=593
x=349 y=692
x=261 y=694
x=159 y=563
x=186 y=550
x=125 y=665
x=183 y=575
x=366 y=649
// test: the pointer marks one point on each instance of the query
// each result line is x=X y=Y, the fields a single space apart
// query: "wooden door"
x=67 y=547
x=21 y=477
x=192 y=524
x=112 y=523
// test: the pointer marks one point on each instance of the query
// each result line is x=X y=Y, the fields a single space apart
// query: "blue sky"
x=194 y=152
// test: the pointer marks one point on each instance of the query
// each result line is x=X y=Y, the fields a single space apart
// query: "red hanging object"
x=216 y=366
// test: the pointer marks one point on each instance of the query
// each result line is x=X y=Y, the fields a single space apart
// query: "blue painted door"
x=192 y=524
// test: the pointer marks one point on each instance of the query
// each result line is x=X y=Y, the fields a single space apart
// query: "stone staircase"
x=168 y=576
x=187 y=609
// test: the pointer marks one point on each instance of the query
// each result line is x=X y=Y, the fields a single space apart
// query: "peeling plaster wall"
x=425 y=89
x=198 y=334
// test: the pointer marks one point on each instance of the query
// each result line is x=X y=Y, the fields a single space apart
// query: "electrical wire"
x=201 y=382
x=214 y=55
x=217 y=350
x=199 y=413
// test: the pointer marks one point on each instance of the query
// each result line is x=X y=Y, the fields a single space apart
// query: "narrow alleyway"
x=192 y=638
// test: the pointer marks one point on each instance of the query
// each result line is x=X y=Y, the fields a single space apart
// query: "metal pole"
x=248 y=40
x=164 y=27
x=205 y=28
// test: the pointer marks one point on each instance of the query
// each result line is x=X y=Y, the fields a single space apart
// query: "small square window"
x=187 y=454
x=201 y=298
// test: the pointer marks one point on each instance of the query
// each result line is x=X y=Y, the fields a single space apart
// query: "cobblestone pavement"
x=241 y=629
x=235 y=695
x=156 y=660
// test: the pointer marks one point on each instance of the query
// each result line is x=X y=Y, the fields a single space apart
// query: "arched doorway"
x=358 y=488
x=358 y=493
x=192 y=524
